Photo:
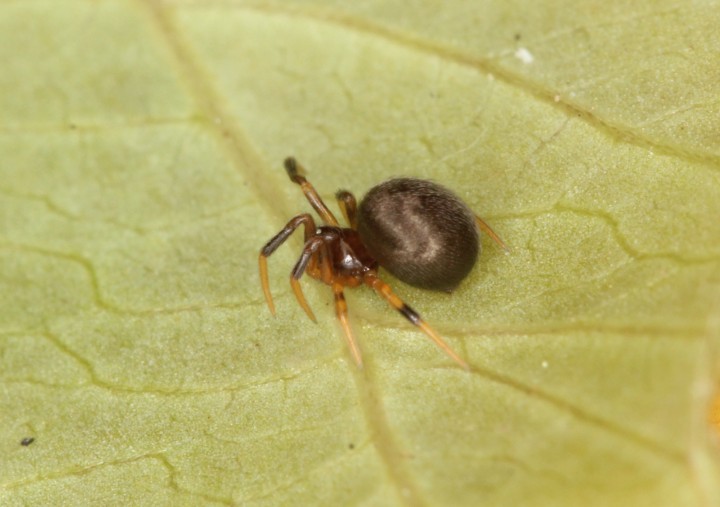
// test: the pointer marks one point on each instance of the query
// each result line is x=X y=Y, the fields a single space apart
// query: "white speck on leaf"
x=524 y=55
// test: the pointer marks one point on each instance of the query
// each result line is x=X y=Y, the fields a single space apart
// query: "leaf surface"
x=142 y=144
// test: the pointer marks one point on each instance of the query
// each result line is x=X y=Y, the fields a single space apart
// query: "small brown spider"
x=416 y=229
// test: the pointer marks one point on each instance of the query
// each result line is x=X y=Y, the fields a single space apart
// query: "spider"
x=416 y=229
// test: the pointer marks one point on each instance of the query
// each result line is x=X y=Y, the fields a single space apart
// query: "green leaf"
x=141 y=173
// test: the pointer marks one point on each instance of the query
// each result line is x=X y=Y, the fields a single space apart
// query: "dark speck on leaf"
x=351 y=446
x=27 y=441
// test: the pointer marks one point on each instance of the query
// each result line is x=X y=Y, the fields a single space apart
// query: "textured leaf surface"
x=141 y=145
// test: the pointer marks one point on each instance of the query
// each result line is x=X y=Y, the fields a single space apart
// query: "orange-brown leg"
x=487 y=230
x=325 y=263
x=293 y=169
x=384 y=290
x=342 y=315
x=348 y=206
x=312 y=247
x=274 y=243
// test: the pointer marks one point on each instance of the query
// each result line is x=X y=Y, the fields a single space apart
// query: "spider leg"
x=293 y=169
x=487 y=230
x=384 y=291
x=311 y=247
x=342 y=315
x=273 y=245
x=348 y=206
x=325 y=265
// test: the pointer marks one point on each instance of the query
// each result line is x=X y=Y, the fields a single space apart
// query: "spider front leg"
x=274 y=243
x=384 y=291
x=312 y=247
x=348 y=206
x=294 y=169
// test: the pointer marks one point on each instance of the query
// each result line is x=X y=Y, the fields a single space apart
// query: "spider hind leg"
x=483 y=226
x=384 y=291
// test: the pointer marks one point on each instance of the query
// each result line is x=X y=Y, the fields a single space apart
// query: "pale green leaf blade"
x=142 y=146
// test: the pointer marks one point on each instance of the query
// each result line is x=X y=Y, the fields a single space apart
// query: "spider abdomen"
x=420 y=232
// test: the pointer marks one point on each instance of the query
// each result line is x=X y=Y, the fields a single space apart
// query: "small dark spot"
x=27 y=441
x=351 y=446
x=73 y=126
x=518 y=36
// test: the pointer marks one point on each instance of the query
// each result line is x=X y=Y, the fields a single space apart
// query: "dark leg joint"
x=410 y=314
